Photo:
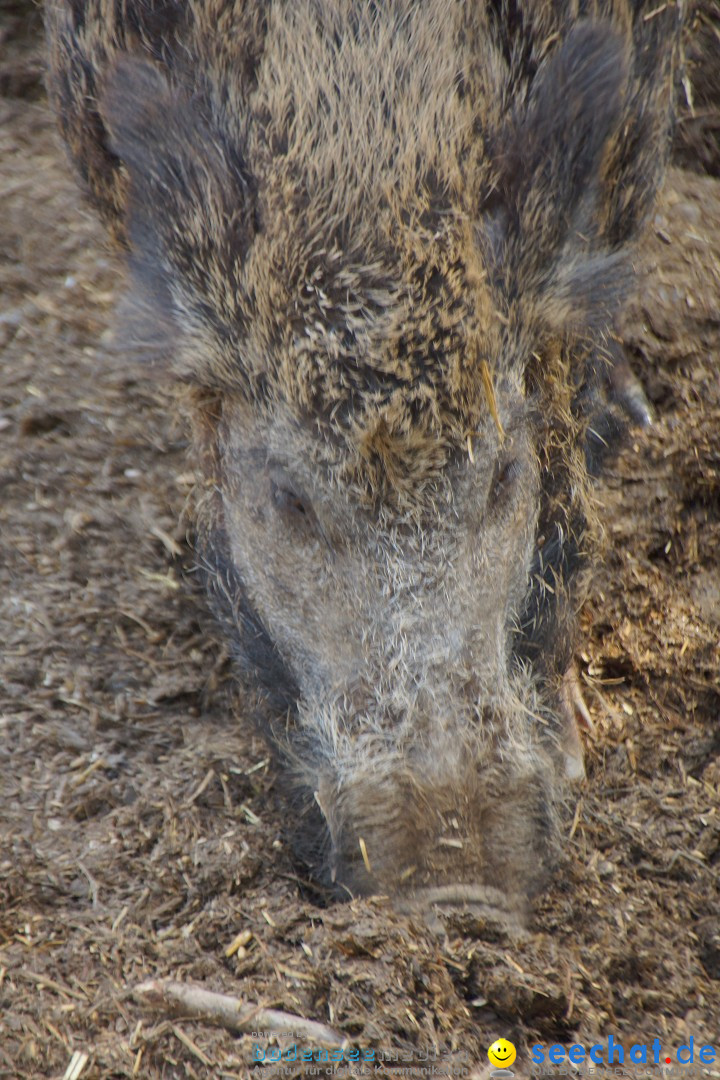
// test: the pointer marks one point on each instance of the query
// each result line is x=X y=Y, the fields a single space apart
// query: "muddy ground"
x=139 y=832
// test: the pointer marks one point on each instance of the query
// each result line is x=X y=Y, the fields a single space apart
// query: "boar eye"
x=287 y=500
x=507 y=471
x=290 y=502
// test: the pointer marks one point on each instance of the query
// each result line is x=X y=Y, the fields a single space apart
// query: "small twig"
x=77 y=1063
x=195 y=1002
x=92 y=883
x=489 y=390
x=206 y=781
x=50 y=984
x=191 y=1046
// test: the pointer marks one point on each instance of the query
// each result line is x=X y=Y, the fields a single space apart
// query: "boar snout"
x=494 y=910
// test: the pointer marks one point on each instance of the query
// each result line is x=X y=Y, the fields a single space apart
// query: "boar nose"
x=494 y=909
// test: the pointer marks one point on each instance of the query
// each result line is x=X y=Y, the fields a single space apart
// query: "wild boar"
x=382 y=245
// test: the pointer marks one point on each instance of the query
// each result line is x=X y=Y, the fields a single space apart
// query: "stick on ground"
x=191 y=1000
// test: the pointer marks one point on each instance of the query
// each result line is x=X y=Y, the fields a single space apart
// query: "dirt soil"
x=139 y=830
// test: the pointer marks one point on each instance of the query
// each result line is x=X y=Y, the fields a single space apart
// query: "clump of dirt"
x=140 y=835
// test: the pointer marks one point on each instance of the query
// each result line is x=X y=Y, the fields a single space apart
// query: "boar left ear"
x=189 y=207
x=546 y=210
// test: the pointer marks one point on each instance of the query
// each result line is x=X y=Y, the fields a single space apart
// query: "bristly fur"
x=473 y=114
x=387 y=240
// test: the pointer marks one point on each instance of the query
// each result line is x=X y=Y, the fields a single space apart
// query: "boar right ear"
x=189 y=209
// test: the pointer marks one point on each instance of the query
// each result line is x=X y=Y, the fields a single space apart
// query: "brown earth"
x=139 y=834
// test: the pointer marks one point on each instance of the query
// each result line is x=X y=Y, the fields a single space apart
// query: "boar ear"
x=548 y=200
x=189 y=212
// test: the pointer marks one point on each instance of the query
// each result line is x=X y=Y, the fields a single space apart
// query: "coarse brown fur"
x=383 y=245
x=697 y=135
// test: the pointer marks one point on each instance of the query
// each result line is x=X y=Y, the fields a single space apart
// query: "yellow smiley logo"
x=502 y=1053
